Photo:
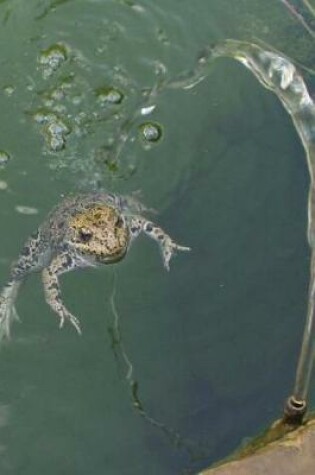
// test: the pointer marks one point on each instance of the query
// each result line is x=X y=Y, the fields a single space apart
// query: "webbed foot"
x=54 y=299
x=65 y=315
x=169 y=249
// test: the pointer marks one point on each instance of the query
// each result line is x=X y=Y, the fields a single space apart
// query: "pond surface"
x=173 y=370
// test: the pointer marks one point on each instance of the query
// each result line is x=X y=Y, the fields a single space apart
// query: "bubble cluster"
x=55 y=134
x=69 y=105
x=52 y=58
x=53 y=128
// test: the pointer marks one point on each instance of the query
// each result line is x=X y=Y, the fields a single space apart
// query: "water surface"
x=212 y=344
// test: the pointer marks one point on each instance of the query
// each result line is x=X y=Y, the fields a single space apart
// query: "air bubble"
x=162 y=37
x=44 y=116
x=55 y=133
x=109 y=95
x=8 y=90
x=58 y=128
x=76 y=100
x=4 y=158
x=148 y=110
x=60 y=109
x=57 y=94
x=150 y=132
x=52 y=58
x=28 y=210
x=56 y=142
x=54 y=129
x=3 y=185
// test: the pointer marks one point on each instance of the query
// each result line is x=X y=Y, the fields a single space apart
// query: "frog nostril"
x=85 y=234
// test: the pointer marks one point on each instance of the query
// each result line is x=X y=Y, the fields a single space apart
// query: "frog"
x=84 y=230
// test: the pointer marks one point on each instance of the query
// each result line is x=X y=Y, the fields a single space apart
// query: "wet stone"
x=150 y=132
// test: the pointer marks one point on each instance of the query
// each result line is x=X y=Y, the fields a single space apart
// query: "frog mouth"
x=111 y=258
x=103 y=258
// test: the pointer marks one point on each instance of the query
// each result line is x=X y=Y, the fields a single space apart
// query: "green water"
x=213 y=344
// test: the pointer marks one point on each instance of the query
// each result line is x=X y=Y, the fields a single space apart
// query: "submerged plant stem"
x=194 y=450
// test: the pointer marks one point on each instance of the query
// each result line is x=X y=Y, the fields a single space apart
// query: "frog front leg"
x=167 y=246
x=64 y=262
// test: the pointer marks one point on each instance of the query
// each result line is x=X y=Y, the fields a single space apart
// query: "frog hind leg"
x=59 y=265
x=30 y=260
x=7 y=308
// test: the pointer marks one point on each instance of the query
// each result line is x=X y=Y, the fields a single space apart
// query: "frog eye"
x=119 y=222
x=85 y=234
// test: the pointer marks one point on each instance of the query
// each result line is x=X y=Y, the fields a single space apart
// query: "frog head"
x=99 y=233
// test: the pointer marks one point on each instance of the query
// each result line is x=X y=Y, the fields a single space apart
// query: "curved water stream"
x=278 y=74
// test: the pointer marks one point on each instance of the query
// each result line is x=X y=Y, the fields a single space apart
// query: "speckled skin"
x=84 y=230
